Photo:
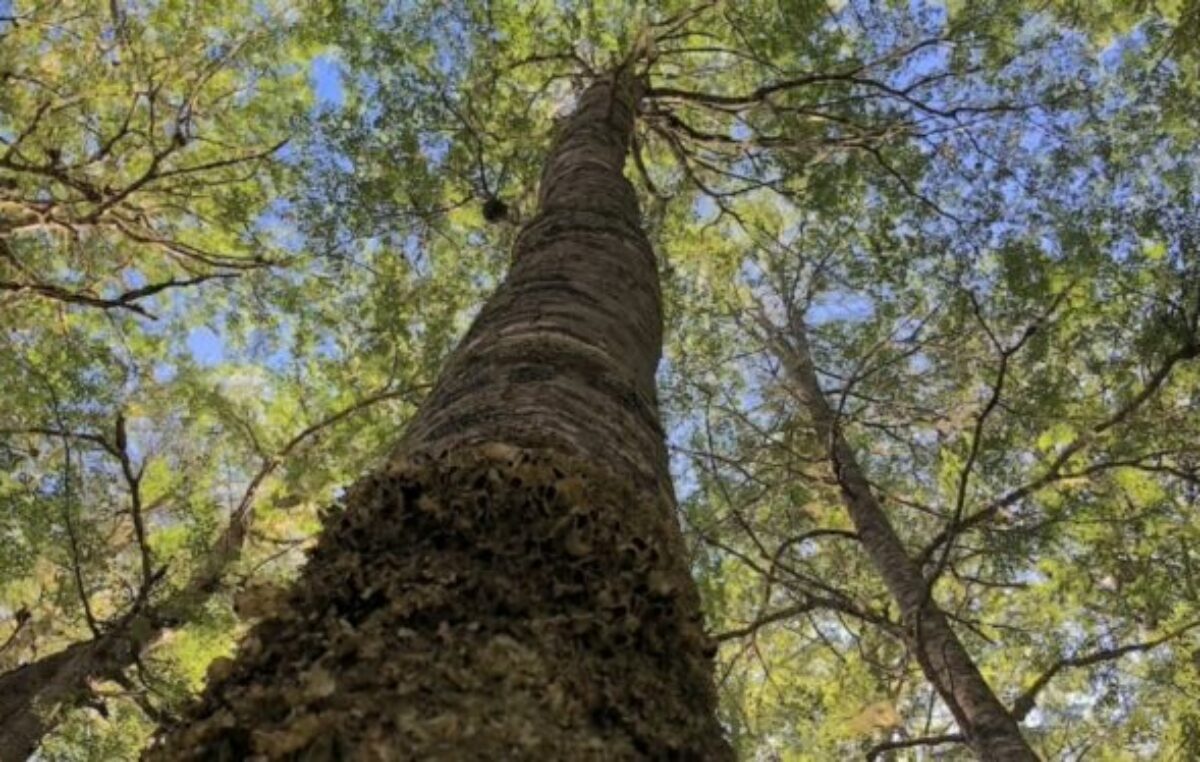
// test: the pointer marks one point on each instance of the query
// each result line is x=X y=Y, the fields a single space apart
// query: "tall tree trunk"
x=989 y=729
x=513 y=584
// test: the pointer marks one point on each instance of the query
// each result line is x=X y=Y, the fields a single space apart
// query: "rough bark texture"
x=986 y=724
x=513 y=585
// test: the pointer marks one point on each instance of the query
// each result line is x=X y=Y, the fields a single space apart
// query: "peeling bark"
x=986 y=724
x=514 y=584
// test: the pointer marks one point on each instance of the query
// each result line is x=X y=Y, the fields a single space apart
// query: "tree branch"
x=1053 y=472
x=909 y=743
x=1027 y=700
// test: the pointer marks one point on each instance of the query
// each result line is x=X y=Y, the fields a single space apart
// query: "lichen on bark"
x=493 y=603
x=514 y=584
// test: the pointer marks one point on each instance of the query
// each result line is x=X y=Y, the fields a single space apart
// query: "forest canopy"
x=930 y=286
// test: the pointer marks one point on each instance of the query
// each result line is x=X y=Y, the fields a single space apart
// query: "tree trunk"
x=513 y=585
x=34 y=696
x=989 y=729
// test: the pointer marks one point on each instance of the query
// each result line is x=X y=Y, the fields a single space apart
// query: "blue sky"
x=326 y=77
x=207 y=346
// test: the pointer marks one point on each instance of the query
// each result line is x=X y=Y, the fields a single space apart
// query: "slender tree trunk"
x=513 y=585
x=34 y=696
x=31 y=695
x=986 y=724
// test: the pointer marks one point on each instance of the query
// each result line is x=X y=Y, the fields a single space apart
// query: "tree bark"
x=513 y=585
x=989 y=729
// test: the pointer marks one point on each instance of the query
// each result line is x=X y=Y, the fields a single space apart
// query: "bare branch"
x=909 y=743
x=1027 y=700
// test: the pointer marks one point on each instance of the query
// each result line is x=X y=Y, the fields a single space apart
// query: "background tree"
x=167 y=448
x=922 y=183
x=135 y=145
x=1039 y=253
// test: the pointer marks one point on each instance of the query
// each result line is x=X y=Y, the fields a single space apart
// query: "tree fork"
x=513 y=584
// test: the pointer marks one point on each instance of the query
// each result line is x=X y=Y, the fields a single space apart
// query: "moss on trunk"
x=490 y=603
x=514 y=585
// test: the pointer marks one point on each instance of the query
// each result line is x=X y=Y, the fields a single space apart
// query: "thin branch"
x=1053 y=472
x=133 y=479
x=1006 y=355
x=22 y=618
x=909 y=743
x=73 y=537
x=125 y=301
x=1027 y=700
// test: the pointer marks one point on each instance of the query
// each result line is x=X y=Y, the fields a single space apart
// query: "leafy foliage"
x=237 y=239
